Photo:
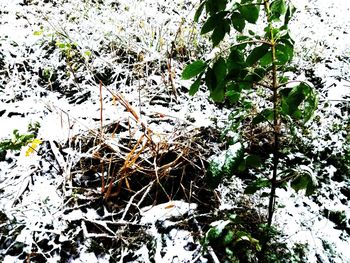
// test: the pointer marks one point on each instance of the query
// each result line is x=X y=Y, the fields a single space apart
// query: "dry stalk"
x=129 y=108
x=170 y=54
x=125 y=170
x=101 y=139
x=158 y=181
x=147 y=188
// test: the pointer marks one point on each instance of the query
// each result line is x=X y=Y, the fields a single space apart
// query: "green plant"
x=337 y=217
x=250 y=76
x=329 y=248
x=71 y=52
x=17 y=142
x=300 y=252
x=240 y=238
x=224 y=164
x=20 y=140
x=232 y=240
x=49 y=74
x=34 y=128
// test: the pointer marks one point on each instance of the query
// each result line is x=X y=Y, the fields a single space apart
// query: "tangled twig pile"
x=127 y=162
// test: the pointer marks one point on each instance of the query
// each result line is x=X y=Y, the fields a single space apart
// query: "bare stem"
x=276 y=117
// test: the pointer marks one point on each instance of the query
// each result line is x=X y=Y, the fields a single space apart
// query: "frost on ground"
x=55 y=56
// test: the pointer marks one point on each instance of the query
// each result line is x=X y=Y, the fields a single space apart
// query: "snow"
x=324 y=37
x=151 y=214
x=301 y=222
x=33 y=193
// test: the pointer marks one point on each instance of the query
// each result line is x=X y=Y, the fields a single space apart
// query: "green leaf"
x=219 y=68
x=251 y=32
x=233 y=158
x=236 y=60
x=242 y=38
x=193 y=69
x=226 y=24
x=310 y=102
x=311 y=188
x=253 y=160
x=291 y=104
x=303 y=181
x=213 y=22
x=218 y=35
x=242 y=235
x=87 y=53
x=242 y=166
x=16 y=133
x=195 y=86
x=278 y=9
x=218 y=169
x=284 y=92
x=246 y=85
x=221 y=4
x=214 y=174
x=277 y=32
x=210 y=79
x=233 y=96
x=247 y=104
x=265 y=115
x=234 y=74
x=289 y=13
x=209 y=25
x=199 y=12
x=256 y=54
x=218 y=94
x=213 y=234
x=256 y=185
x=214 y=6
x=258 y=74
x=228 y=238
x=238 y=21
x=62 y=45
x=210 y=7
x=310 y=107
x=284 y=53
x=17 y=142
x=250 y=12
x=38 y=33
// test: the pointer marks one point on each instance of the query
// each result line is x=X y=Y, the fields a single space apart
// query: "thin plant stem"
x=101 y=138
x=276 y=117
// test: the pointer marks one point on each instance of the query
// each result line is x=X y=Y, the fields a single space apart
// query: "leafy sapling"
x=251 y=76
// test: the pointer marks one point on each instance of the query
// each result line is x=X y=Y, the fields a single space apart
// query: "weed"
x=20 y=140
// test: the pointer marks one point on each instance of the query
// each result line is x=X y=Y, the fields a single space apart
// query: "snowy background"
x=42 y=217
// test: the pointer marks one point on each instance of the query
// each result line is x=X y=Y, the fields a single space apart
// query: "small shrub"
x=251 y=76
x=249 y=73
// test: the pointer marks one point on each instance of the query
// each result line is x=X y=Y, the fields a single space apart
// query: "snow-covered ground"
x=36 y=214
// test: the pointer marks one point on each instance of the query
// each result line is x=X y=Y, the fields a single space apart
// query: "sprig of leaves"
x=20 y=140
